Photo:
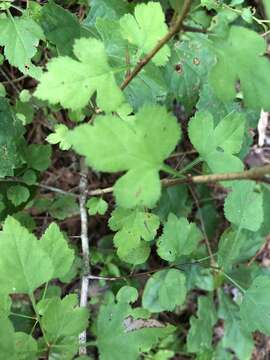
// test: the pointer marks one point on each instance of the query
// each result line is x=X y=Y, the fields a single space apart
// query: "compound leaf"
x=140 y=146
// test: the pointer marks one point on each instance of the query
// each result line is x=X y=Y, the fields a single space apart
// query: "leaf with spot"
x=141 y=144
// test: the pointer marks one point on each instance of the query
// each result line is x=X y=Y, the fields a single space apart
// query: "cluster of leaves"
x=216 y=77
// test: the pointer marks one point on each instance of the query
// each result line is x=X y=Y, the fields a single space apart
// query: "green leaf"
x=25 y=346
x=238 y=56
x=235 y=337
x=55 y=245
x=255 y=308
x=106 y=9
x=217 y=145
x=72 y=82
x=179 y=238
x=63 y=207
x=117 y=340
x=165 y=290
x=173 y=200
x=133 y=227
x=200 y=334
x=60 y=27
x=96 y=206
x=10 y=137
x=62 y=318
x=24 y=266
x=145 y=29
x=38 y=156
x=59 y=137
x=140 y=145
x=7 y=345
x=235 y=247
x=20 y=37
x=127 y=294
x=244 y=206
x=18 y=194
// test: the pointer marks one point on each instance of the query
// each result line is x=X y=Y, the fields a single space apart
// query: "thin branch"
x=206 y=239
x=85 y=250
x=174 y=30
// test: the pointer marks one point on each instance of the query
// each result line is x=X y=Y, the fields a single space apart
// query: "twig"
x=207 y=242
x=85 y=250
x=174 y=30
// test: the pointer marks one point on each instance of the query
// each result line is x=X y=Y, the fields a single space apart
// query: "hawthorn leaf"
x=241 y=57
x=59 y=137
x=54 y=244
x=96 y=206
x=38 y=156
x=218 y=145
x=179 y=238
x=164 y=291
x=236 y=336
x=145 y=29
x=200 y=334
x=134 y=229
x=7 y=344
x=18 y=194
x=63 y=318
x=26 y=347
x=72 y=82
x=61 y=27
x=24 y=266
x=117 y=342
x=255 y=308
x=20 y=36
x=244 y=206
x=140 y=145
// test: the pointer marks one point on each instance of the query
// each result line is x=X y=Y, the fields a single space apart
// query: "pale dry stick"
x=85 y=250
x=174 y=30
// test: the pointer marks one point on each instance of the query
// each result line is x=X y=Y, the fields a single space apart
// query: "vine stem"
x=85 y=250
x=174 y=30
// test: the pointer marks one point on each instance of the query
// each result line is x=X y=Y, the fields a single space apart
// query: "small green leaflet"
x=140 y=145
x=200 y=334
x=244 y=205
x=255 y=308
x=96 y=206
x=134 y=229
x=59 y=137
x=18 y=194
x=38 y=156
x=127 y=294
x=61 y=27
x=179 y=238
x=20 y=37
x=217 y=145
x=72 y=82
x=120 y=337
x=241 y=57
x=164 y=291
x=145 y=29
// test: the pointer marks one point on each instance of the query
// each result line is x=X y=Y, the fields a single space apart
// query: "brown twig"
x=174 y=30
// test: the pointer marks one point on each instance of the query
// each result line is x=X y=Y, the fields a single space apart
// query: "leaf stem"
x=174 y=30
